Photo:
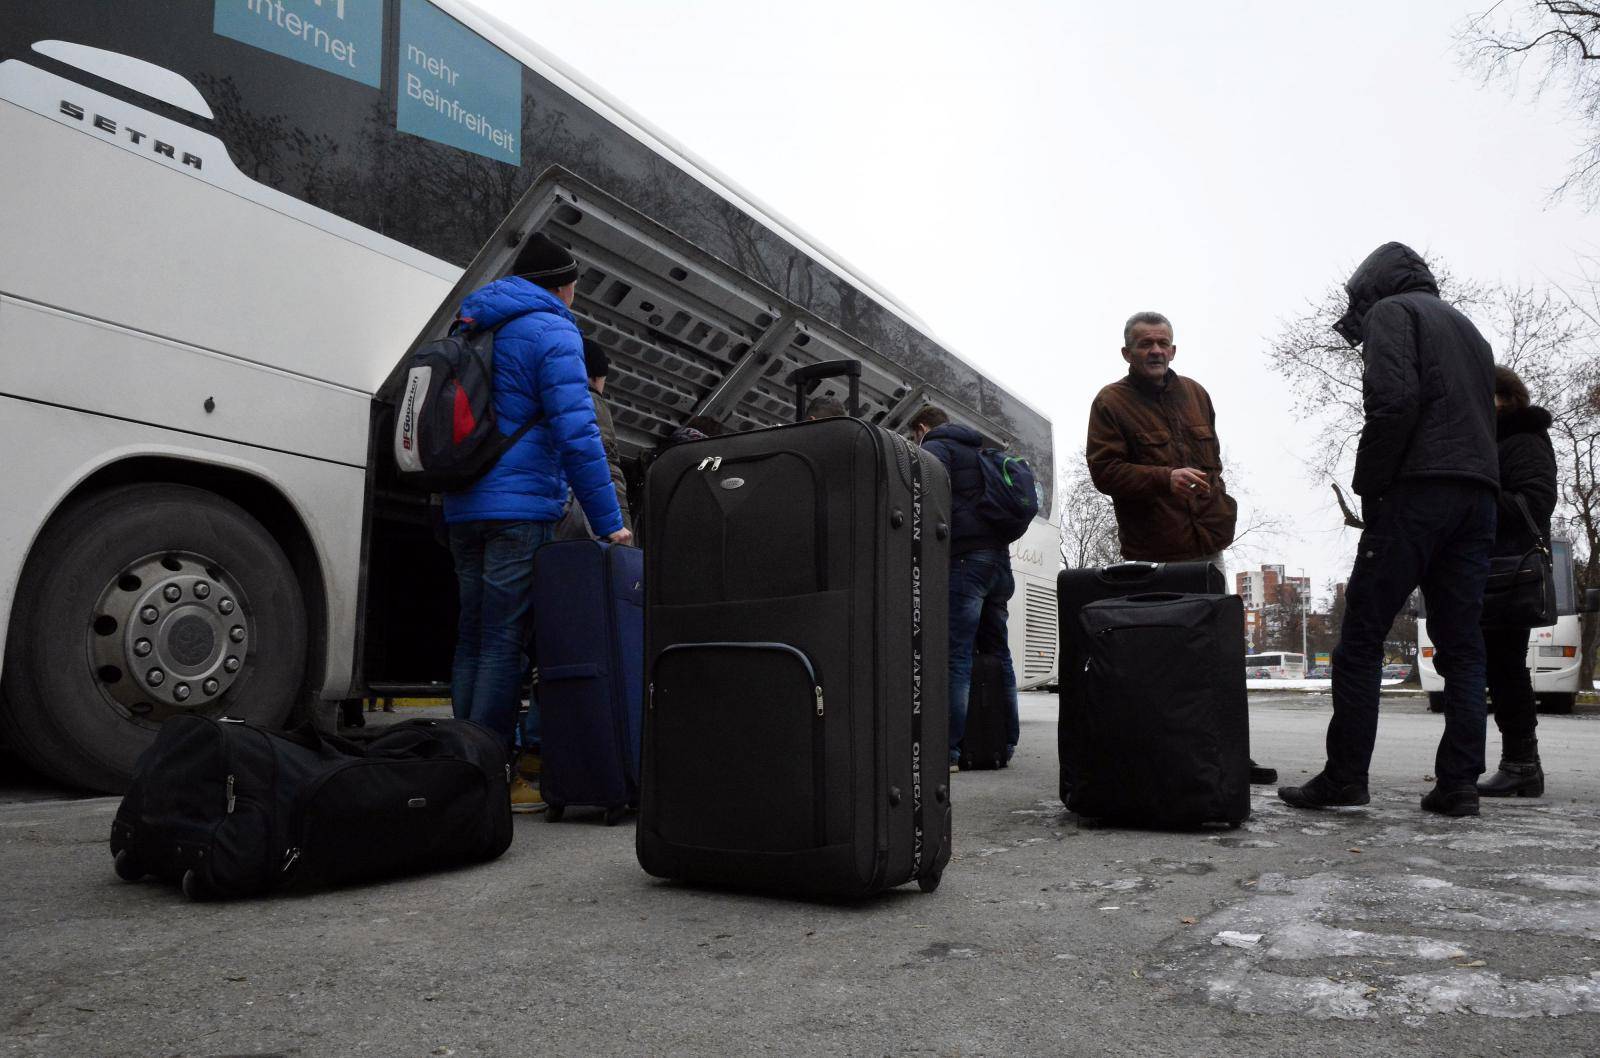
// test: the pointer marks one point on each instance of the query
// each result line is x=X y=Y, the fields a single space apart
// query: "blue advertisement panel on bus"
x=340 y=36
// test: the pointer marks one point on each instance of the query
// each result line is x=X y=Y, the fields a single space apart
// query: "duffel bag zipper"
x=818 y=747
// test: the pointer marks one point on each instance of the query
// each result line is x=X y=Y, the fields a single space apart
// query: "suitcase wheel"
x=614 y=815
x=553 y=813
x=193 y=887
x=128 y=868
x=929 y=882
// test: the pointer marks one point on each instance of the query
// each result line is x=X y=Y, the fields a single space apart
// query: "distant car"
x=1258 y=674
x=1397 y=672
x=1321 y=672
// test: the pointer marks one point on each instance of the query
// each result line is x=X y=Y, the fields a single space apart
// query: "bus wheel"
x=1556 y=703
x=141 y=603
x=1435 y=701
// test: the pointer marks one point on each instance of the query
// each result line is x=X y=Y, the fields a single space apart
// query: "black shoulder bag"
x=1521 y=591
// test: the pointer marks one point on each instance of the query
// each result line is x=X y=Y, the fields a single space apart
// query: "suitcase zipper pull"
x=230 y=795
x=716 y=462
x=704 y=463
x=650 y=698
x=819 y=699
x=289 y=858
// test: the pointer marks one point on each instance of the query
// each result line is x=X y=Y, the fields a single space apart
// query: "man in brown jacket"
x=1153 y=449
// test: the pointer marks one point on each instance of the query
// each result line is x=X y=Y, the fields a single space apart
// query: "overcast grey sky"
x=1027 y=175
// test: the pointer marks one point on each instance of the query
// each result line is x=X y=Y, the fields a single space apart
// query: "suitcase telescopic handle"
x=801 y=377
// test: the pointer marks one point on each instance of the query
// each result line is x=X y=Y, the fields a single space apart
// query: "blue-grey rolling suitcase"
x=589 y=641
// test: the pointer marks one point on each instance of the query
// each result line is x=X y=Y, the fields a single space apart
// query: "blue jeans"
x=1435 y=533
x=980 y=587
x=494 y=567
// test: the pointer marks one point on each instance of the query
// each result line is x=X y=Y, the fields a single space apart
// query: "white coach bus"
x=224 y=224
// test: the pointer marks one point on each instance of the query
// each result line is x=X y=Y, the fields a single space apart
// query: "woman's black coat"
x=1527 y=469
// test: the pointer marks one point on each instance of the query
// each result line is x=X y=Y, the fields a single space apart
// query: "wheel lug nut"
x=236 y=633
x=181 y=692
x=231 y=665
x=210 y=686
x=141 y=648
x=172 y=593
x=155 y=677
x=202 y=590
x=149 y=615
x=226 y=606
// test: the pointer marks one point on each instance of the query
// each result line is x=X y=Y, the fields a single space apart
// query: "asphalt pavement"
x=1369 y=931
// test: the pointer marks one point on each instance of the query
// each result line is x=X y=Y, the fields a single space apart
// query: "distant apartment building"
x=1265 y=590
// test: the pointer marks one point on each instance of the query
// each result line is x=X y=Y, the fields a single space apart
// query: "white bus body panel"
x=1031 y=618
x=1549 y=675
x=327 y=496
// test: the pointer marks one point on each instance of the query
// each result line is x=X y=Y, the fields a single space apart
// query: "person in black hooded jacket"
x=981 y=583
x=1427 y=474
x=1528 y=472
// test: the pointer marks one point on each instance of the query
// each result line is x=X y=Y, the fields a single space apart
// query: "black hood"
x=960 y=433
x=1393 y=268
x=1532 y=419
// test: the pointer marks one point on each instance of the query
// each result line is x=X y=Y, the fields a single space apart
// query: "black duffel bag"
x=227 y=809
x=1521 y=589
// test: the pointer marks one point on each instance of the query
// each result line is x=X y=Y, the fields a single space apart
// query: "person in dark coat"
x=1528 y=472
x=981 y=583
x=1427 y=474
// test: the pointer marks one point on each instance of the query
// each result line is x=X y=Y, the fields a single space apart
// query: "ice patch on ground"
x=1236 y=958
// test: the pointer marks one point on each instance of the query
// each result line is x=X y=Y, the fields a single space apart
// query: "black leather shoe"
x=1451 y=801
x=1260 y=776
x=1514 y=780
x=1322 y=792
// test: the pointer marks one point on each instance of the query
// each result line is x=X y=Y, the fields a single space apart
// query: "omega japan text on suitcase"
x=1167 y=731
x=589 y=641
x=983 y=744
x=229 y=809
x=796 y=714
x=1077 y=588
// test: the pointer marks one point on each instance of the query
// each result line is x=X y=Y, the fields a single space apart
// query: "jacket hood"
x=960 y=433
x=1532 y=419
x=492 y=305
x=1393 y=268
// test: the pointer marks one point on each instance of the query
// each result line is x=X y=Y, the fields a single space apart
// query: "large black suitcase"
x=1077 y=588
x=1167 y=732
x=796 y=720
x=983 y=743
x=229 y=809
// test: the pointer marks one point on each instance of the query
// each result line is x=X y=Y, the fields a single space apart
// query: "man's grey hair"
x=1153 y=318
x=825 y=408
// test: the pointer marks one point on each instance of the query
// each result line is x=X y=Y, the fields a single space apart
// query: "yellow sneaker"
x=525 y=796
x=528 y=765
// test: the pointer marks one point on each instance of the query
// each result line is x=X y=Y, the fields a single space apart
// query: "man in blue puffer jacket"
x=981 y=584
x=497 y=524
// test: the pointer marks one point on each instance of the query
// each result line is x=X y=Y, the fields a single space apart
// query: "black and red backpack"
x=445 y=436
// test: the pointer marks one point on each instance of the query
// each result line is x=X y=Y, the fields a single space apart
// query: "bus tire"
x=1435 y=701
x=75 y=706
x=1559 y=704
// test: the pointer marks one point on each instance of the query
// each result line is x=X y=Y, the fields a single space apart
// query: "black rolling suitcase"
x=1077 y=588
x=230 y=810
x=796 y=719
x=1167 y=731
x=983 y=743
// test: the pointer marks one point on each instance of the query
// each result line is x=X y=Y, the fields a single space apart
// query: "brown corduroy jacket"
x=1138 y=433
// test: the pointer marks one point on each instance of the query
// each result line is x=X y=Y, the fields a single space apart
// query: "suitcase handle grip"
x=1129 y=570
x=800 y=377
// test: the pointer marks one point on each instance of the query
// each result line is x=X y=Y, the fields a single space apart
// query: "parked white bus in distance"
x=1553 y=652
x=1275 y=666
x=222 y=238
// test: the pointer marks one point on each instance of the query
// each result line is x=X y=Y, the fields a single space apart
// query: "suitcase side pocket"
x=737 y=741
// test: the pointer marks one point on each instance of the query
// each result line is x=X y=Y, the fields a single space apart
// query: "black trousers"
x=1433 y=533
x=1510 y=687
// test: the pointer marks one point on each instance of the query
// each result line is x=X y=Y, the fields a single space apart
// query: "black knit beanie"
x=545 y=262
x=596 y=363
